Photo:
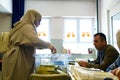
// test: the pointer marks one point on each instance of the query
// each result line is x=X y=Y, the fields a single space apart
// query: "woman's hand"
x=52 y=48
x=116 y=72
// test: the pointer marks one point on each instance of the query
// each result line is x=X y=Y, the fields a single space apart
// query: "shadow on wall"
x=58 y=43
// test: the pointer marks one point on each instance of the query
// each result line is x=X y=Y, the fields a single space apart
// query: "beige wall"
x=58 y=8
x=5 y=22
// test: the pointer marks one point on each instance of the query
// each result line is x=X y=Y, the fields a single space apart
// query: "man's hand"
x=82 y=63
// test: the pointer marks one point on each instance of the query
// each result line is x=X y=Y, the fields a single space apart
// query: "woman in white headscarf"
x=115 y=67
x=116 y=71
x=18 y=61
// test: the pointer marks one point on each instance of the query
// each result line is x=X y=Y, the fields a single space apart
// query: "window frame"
x=78 y=42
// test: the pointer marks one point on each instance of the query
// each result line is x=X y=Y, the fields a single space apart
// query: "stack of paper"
x=81 y=73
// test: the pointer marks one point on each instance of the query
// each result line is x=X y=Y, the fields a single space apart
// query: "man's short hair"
x=102 y=36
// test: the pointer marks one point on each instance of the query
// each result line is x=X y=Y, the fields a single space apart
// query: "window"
x=43 y=29
x=43 y=33
x=78 y=34
x=115 y=27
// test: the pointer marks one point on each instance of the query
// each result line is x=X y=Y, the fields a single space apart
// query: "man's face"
x=98 y=43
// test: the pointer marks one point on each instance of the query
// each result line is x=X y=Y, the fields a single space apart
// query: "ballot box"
x=53 y=61
x=50 y=67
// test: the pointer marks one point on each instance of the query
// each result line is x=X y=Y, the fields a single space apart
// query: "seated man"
x=107 y=54
x=115 y=67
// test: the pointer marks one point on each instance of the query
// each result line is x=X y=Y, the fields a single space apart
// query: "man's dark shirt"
x=104 y=58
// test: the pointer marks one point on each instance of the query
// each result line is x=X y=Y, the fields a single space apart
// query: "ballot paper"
x=82 y=73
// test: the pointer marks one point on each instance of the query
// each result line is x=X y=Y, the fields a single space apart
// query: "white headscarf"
x=28 y=18
x=118 y=39
x=31 y=16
